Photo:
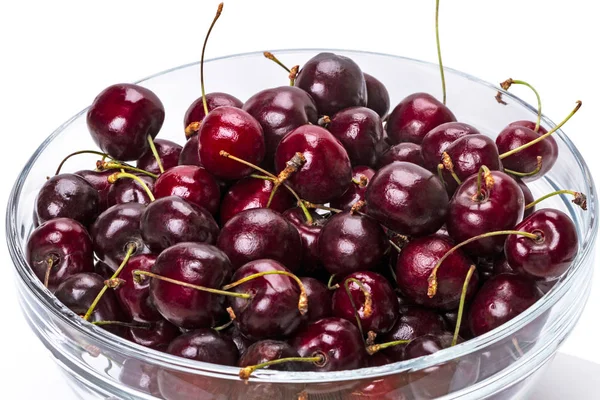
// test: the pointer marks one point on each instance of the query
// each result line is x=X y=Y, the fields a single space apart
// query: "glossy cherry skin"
x=335 y=82
x=499 y=300
x=351 y=242
x=192 y=183
x=235 y=131
x=99 y=180
x=356 y=191
x=260 y=233
x=531 y=125
x=241 y=342
x=195 y=112
x=472 y=212
x=269 y=350
x=249 y=193
x=122 y=117
x=158 y=336
x=437 y=140
x=126 y=190
x=272 y=312
x=309 y=235
x=67 y=196
x=327 y=172
x=190 y=154
x=378 y=98
x=205 y=345
x=279 y=111
x=319 y=300
x=407 y=199
x=134 y=297
x=417 y=260
x=171 y=220
x=103 y=269
x=115 y=229
x=409 y=152
x=64 y=241
x=198 y=264
x=335 y=339
x=385 y=304
x=360 y=130
x=549 y=257
x=167 y=151
x=415 y=116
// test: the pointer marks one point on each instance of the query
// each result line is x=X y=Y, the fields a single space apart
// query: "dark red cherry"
x=192 y=183
x=251 y=193
x=133 y=296
x=415 y=116
x=190 y=154
x=122 y=117
x=127 y=190
x=309 y=235
x=415 y=264
x=409 y=152
x=384 y=310
x=527 y=197
x=335 y=339
x=205 y=345
x=197 y=264
x=335 y=82
x=235 y=131
x=361 y=176
x=501 y=266
x=279 y=111
x=260 y=233
x=485 y=266
x=195 y=112
x=241 y=342
x=167 y=151
x=157 y=335
x=549 y=256
x=61 y=245
x=408 y=199
x=327 y=171
x=476 y=210
x=351 y=242
x=99 y=180
x=427 y=344
x=67 y=196
x=437 y=140
x=378 y=98
x=319 y=300
x=103 y=269
x=269 y=350
x=360 y=130
x=451 y=317
x=531 y=125
x=500 y=299
x=272 y=311
x=171 y=220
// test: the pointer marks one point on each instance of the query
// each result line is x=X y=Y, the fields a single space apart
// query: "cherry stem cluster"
x=507 y=84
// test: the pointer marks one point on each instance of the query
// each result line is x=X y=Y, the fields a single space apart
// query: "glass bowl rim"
x=128 y=348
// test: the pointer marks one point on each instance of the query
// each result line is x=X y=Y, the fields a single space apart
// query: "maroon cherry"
x=205 y=345
x=157 y=335
x=501 y=266
x=309 y=235
x=335 y=82
x=122 y=118
x=437 y=140
x=361 y=176
x=407 y=198
x=319 y=300
x=103 y=269
x=415 y=116
x=195 y=112
x=409 y=152
x=527 y=197
x=168 y=153
x=99 y=180
x=68 y=196
x=127 y=190
x=327 y=172
x=378 y=98
x=531 y=125
x=190 y=154
x=269 y=350
x=58 y=249
x=133 y=296
x=241 y=342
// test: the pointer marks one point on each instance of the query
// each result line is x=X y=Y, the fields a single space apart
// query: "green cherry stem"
x=50 y=264
x=461 y=305
x=579 y=198
x=217 y=15
x=132 y=325
x=120 y=175
x=155 y=153
x=271 y=57
x=439 y=49
x=247 y=371
x=537 y=169
x=105 y=165
x=98 y=153
x=507 y=84
x=378 y=347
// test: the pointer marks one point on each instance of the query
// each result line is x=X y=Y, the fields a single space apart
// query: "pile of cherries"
x=306 y=229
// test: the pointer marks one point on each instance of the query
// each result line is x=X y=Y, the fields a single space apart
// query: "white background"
x=57 y=55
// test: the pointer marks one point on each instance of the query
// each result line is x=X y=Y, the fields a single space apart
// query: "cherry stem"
x=321 y=207
x=247 y=371
x=395 y=246
x=488 y=179
x=98 y=153
x=432 y=279
x=330 y=284
x=291 y=166
x=324 y=121
x=461 y=306
x=271 y=57
x=303 y=298
x=517 y=347
x=119 y=175
x=506 y=85
x=224 y=326
x=537 y=169
x=263 y=177
x=361 y=181
x=440 y=171
x=368 y=302
x=439 y=49
x=131 y=325
x=378 y=347
x=217 y=15
x=105 y=165
x=544 y=136
x=449 y=165
x=155 y=152
x=579 y=199
x=50 y=262
x=130 y=250
x=192 y=129
x=294 y=74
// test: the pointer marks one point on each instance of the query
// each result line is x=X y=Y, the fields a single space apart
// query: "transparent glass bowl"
x=501 y=364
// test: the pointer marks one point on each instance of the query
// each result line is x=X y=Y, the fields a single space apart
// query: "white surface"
x=57 y=55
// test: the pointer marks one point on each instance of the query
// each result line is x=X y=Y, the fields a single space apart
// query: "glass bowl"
x=501 y=364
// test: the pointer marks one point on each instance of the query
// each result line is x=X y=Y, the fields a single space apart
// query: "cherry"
x=68 y=196
x=361 y=176
x=378 y=98
x=205 y=345
x=337 y=340
x=168 y=153
x=269 y=350
x=485 y=266
x=123 y=118
x=241 y=342
x=309 y=235
x=407 y=199
x=130 y=191
x=551 y=254
x=157 y=335
x=388 y=387
x=350 y=243
x=196 y=113
x=437 y=140
x=103 y=269
x=501 y=266
x=133 y=296
x=260 y=233
x=319 y=300
x=99 y=181
x=451 y=318
x=249 y=193
x=171 y=220
x=335 y=82
x=327 y=172
x=58 y=249
x=360 y=131
x=527 y=197
x=197 y=264
x=500 y=299
x=409 y=152
x=190 y=154
x=417 y=261
x=415 y=116
x=531 y=125
x=378 y=314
